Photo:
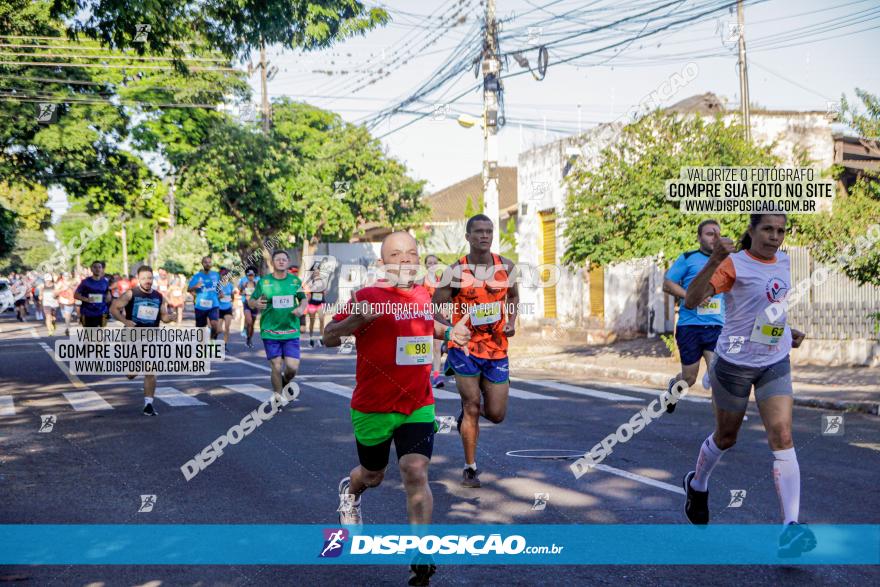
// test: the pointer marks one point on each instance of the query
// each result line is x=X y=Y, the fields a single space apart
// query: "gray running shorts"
x=732 y=384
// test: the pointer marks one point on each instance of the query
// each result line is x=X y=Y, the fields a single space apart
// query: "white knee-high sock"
x=787 y=475
x=710 y=454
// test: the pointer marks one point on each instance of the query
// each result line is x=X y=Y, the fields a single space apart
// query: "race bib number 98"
x=414 y=350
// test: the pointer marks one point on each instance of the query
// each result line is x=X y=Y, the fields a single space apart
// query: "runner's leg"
x=495 y=396
x=419 y=499
x=277 y=365
x=469 y=389
x=227 y=325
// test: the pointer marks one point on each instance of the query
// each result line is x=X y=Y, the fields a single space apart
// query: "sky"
x=802 y=55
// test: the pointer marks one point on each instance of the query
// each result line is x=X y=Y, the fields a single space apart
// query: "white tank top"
x=755 y=333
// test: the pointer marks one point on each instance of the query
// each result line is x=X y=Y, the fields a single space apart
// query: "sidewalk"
x=647 y=361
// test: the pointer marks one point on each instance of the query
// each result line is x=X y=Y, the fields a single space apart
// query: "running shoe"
x=795 y=540
x=421 y=574
x=350 y=512
x=696 y=505
x=470 y=478
x=670 y=407
x=706 y=383
x=312 y=342
x=149 y=410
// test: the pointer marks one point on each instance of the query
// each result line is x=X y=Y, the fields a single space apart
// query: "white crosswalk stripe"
x=443 y=394
x=585 y=391
x=330 y=387
x=86 y=401
x=260 y=394
x=523 y=394
x=174 y=397
x=7 y=408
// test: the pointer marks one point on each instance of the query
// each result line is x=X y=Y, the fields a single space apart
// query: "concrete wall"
x=541 y=188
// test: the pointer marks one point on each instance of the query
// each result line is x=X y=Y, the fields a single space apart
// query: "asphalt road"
x=99 y=459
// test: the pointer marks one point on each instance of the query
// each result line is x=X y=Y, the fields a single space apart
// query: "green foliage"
x=234 y=27
x=31 y=248
x=842 y=236
x=671 y=345
x=243 y=187
x=507 y=240
x=29 y=202
x=867 y=123
x=8 y=231
x=183 y=248
x=617 y=211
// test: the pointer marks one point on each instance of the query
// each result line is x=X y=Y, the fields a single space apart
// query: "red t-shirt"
x=384 y=385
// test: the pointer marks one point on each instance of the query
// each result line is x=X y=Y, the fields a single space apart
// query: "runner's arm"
x=797 y=337
x=117 y=308
x=164 y=314
x=443 y=295
x=703 y=285
x=673 y=288
x=78 y=296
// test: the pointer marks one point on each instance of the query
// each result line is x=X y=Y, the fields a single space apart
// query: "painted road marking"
x=261 y=394
x=174 y=397
x=330 y=387
x=73 y=378
x=585 y=391
x=85 y=401
x=7 y=408
x=640 y=478
x=522 y=394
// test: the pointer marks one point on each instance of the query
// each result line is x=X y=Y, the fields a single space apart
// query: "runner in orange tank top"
x=480 y=285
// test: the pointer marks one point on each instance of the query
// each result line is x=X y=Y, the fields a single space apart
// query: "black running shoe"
x=470 y=478
x=696 y=506
x=670 y=406
x=312 y=342
x=421 y=574
x=795 y=540
x=149 y=410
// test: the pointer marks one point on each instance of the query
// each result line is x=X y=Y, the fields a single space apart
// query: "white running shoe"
x=349 y=508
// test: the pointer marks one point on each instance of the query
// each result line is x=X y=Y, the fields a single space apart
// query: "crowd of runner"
x=468 y=311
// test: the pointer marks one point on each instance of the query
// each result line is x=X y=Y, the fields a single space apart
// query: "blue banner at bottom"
x=525 y=544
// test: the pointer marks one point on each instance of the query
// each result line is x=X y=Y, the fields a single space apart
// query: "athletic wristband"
x=447 y=333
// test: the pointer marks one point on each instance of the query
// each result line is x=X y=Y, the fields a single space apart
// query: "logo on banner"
x=334 y=540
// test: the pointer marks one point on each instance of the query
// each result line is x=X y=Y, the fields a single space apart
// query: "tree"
x=8 y=231
x=182 y=249
x=243 y=187
x=233 y=27
x=618 y=210
x=842 y=236
x=29 y=202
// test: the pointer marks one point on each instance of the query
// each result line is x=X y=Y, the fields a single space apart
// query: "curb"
x=872 y=408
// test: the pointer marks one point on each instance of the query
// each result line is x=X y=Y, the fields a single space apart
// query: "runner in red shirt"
x=393 y=324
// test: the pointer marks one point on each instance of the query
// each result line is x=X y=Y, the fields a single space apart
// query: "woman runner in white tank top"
x=752 y=352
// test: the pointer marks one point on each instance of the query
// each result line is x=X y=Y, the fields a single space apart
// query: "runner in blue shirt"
x=203 y=287
x=697 y=330
x=224 y=292
x=94 y=293
x=246 y=287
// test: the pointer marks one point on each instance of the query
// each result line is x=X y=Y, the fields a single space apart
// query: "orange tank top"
x=484 y=301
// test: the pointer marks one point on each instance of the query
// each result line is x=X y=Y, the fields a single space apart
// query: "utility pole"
x=263 y=84
x=172 y=185
x=491 y=87
x=743 y=70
